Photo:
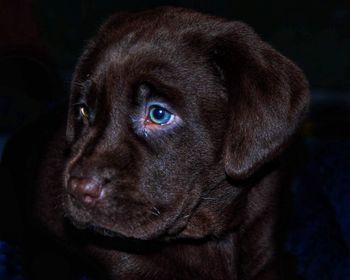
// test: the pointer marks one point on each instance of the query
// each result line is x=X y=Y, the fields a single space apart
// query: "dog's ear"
x=268 y=97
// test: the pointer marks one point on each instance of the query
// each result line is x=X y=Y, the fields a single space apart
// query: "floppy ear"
x=268 y=97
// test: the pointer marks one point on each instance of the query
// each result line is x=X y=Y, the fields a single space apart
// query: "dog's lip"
x=91 y=227
x=106 y=231
x=109 y=230
x=161 y=227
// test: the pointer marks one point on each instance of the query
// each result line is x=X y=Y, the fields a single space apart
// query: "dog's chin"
x=92 y=227
x=145 y=228
x=107 y=231
x=83 y=221
x=96 y=229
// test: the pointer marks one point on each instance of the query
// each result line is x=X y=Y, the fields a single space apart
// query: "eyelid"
x=79 y=103
x=159 y=104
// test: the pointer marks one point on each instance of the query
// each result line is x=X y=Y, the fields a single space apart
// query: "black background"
x=40 y=42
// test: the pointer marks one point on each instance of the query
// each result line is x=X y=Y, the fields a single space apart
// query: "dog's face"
x=165 y=105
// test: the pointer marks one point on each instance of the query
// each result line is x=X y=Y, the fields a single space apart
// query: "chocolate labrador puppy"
x=168 y=166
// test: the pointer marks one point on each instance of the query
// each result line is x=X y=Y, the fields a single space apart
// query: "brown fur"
x=198 y=200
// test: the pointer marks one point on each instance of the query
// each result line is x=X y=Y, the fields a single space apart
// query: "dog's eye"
x=83 y=112
x=159 y=115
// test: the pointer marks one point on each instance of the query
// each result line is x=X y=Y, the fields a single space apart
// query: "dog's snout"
x=85 y=190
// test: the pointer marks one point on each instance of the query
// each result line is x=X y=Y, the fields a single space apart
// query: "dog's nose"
x=85 y=190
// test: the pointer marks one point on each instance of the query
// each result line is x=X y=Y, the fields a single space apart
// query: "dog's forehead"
x=159 y=56
x=135 y=50
x=156 y=46
x=161 y=35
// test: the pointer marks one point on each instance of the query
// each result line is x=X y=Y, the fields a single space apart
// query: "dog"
x=168 y=165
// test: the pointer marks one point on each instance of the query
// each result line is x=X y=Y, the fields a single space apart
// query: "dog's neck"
x=181 y=259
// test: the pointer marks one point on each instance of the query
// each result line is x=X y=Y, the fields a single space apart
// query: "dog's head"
x=166 y=105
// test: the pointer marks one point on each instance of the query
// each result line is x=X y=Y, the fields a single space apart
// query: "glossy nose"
x=85 y=190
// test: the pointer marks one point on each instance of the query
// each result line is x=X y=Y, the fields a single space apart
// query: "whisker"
x=155 y=211
x=208 y=198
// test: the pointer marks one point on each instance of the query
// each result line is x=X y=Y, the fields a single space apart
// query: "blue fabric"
x=319 y=233
x=10 y=264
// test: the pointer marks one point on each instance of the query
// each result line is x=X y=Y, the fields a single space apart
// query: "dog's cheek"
x=179 y=172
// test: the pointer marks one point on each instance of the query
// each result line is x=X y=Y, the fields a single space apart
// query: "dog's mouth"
x=105 y=238
x=141 y=222
x=105 y=231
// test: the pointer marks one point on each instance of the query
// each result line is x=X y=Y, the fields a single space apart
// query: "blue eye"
x=159 y=115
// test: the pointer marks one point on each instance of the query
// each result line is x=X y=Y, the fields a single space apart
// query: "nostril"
x=87 y=190
x=90 y=187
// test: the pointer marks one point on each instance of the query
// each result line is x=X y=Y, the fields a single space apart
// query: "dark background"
x=40 y=42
